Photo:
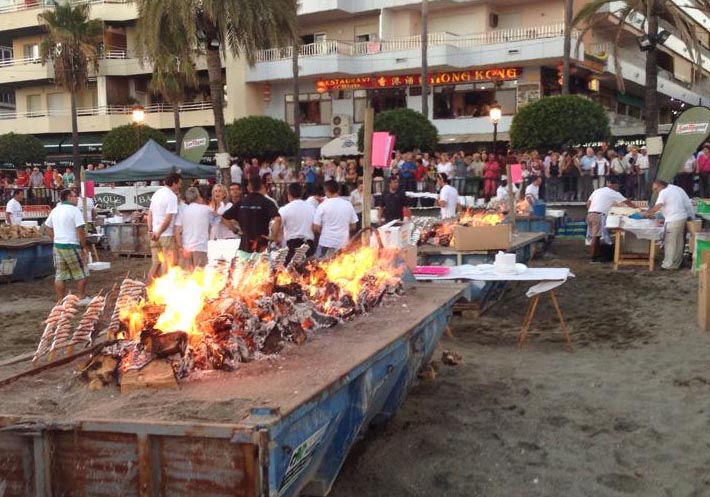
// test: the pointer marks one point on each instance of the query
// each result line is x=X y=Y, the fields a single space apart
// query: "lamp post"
x=138 y=116
x=495 y=115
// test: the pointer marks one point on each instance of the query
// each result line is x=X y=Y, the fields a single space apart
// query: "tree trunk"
x=214 y=69
x=651 y=91
x=425 y=60
x=178 y=133
x=296 y=113
x=567 y=47
x=76 y=158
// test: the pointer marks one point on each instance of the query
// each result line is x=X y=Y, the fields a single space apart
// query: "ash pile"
x=234 y=312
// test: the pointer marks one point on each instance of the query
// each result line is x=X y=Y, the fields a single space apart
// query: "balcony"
x=445 y=50
x=101 y=119
x=23 y=70
x=17 y=14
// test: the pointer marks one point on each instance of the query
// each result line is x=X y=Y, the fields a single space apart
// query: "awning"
x=341 y=146
x=473 y=138
x=62 y=144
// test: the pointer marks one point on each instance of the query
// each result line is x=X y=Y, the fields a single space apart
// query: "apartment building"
x=356 y=52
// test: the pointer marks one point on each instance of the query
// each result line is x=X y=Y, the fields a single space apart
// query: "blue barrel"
x=539 y=209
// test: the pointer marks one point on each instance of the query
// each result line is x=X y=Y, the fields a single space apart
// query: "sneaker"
x=84 y=302
x=595 y=261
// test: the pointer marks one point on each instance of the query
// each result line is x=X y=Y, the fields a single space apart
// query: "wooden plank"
x=157 y=374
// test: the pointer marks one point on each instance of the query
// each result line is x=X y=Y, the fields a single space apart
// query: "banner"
x=194 y=144
x=689 y=132
x=382 y=148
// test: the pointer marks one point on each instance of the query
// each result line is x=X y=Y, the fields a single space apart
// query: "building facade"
x=355 y=53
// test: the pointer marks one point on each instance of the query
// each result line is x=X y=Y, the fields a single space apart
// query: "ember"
x=434 y=232
x=220 y=316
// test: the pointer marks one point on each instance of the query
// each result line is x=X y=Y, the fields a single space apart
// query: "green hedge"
x=411 y=128
x=261 y=137
x=20 y=149
x=123 y=141
x=554 y=122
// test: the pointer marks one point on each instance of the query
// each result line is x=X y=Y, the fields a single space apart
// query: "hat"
x=644 y=148
x=504 y=178
x=613 y=180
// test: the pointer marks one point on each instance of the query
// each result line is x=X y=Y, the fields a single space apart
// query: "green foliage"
x=555 y=122
x=123 y=141
x=19 y=149
x=411 y=128
x=261 y=137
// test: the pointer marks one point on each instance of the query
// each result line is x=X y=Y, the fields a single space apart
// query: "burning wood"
x=218 y=317
x=438 y=233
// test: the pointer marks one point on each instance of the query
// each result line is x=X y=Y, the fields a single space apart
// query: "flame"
x=473 y=218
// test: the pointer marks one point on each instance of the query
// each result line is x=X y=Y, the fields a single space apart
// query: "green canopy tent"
x=689 y=132
x=151 y=162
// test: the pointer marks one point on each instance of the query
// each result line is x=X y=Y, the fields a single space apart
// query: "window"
x=55 y=104
x=31 y=52
x=472 y=100
x=313 y=108
x=359 y=105
x=388 y=99
x=34 y=106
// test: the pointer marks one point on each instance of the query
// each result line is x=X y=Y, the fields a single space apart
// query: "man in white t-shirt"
x=674 y=204
x=161 y=221
x=192 y=230
x=13 y=210
x=598 y=205
x=532 y=191
x=448 y=197
x=65 y=226
x=235 y=173
x=445 y=166
x=334 y=219
x=297 y=221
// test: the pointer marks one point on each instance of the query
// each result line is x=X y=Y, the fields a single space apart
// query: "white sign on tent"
x=341 y=146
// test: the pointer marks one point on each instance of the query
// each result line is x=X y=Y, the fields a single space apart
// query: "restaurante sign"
x=444 y=78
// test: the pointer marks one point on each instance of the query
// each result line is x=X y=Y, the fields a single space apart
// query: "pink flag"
x=516 y=172
x=382 y=148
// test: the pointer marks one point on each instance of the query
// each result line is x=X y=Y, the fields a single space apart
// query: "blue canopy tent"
x=151 y=162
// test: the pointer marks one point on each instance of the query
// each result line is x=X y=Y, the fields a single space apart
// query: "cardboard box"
x=694 y=226
x=499 y=237
x=704 y=298
x=409 y=254
x=395 y=234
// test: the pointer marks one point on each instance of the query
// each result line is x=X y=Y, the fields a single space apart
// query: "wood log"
x=157 y=374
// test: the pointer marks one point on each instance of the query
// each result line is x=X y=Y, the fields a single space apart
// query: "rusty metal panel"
x=16 y=462
x=191 y=467
x=94 y=464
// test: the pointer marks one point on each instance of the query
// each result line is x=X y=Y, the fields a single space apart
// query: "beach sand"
x=627 y=414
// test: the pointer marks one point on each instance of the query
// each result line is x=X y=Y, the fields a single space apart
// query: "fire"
x=482 y=218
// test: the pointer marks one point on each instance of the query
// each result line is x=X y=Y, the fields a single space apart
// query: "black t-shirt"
x=253 y=215
x=393 y=204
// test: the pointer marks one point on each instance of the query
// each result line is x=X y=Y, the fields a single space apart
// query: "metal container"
x=294 y=436
x=128 y=238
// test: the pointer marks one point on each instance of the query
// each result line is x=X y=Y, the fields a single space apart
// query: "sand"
x=627 y=414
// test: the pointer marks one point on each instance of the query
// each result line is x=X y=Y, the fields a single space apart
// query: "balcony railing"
x=110 y=110
x=20 y=5
x=20 y=62
x=414 y=42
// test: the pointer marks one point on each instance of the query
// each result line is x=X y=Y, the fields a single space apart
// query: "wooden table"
x=628 y=259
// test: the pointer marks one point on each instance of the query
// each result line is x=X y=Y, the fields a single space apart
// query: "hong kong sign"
x=444 y=78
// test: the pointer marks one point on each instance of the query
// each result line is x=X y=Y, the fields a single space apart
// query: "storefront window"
x=471 y=100
x=388 y=99
x=313 y=108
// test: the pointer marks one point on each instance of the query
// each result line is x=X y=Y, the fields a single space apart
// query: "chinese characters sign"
x=444 y=78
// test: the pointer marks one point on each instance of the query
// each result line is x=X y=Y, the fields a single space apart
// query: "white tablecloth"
x=549 y=278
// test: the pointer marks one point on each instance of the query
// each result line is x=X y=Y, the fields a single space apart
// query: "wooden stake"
x=367 y=169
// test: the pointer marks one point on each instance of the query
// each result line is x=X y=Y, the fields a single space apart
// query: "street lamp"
x=495 y=116
x=138 y=116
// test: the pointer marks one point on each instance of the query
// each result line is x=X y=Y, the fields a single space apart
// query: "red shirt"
x=704 y=163
x=23 y=179
x=48 y=179
x=420 y=173
x=491 y=170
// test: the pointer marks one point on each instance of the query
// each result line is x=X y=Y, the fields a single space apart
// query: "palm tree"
x=244 y=26
x=174 y=69
x=72 y=45
x=651 y=11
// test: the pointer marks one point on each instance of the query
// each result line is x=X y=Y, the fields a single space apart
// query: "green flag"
x=194 y=144
x=689 y=131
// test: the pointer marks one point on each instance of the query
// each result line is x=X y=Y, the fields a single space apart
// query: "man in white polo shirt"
x=297 y=221
x=65 y=225
x=448 y=197
x=13 y=210
x=162 y=214
x=598 y=205
x=192 y=230
x=674 y=204
x=335 y=218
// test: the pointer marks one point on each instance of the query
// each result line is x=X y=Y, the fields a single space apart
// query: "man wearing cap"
x=598 y=205
x=674 y=204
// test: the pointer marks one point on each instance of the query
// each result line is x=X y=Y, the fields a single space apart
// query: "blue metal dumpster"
x=273 y=428
x=25 y=259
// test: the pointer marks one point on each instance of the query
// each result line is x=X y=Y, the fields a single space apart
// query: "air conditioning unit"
x=339 y=125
